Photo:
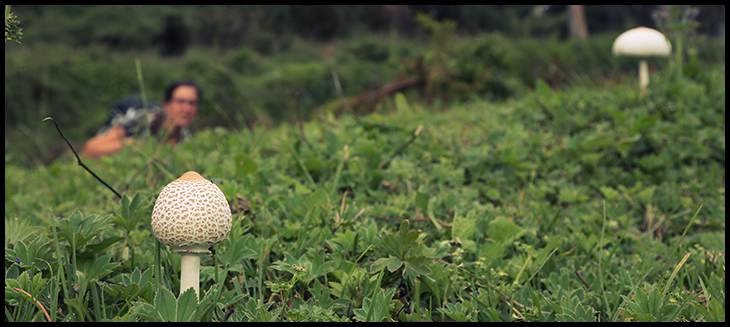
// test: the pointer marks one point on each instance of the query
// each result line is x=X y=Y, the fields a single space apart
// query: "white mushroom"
x=190 y=215
x=642 y=42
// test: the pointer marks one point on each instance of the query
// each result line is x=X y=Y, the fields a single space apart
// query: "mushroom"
x=642 y=42
x=190 y=215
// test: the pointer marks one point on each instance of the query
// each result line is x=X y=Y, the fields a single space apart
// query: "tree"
x=175 y=37
x=577 y=21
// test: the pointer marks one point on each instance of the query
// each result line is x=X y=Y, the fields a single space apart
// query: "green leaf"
x=651 y=306
x=542 y=88
x=238 y=249
x=400 y=243
x=392 y=263
x=714 y=241
x=125 y=207
x=572 y=309
x=31 y=252
x=401 y=103
x=17 y=230
x=463 y=227
x=609 y=193
x=245 y=165
x=321 y=295
x=422 y=201
x=572 y=195
x=254 y=310
x=98 y=268
x=490 y=252
x=103 y=245
x=417 y=267
x=646 y=194
x=82 y=229
x=187 y=305
x=458 y=312
x=127 y=218
x=502 y=229
x=32 y=285
x=376 y=307
x=166 y=305
x=146 y=311
x=136 y=200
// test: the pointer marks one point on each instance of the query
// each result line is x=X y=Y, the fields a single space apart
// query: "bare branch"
x=78 y=159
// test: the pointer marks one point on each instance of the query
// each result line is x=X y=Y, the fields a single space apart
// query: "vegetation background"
x=383 y=163
x=261 y=65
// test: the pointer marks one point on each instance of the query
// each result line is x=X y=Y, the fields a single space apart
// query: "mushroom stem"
x=643 y=76
x=190 y=273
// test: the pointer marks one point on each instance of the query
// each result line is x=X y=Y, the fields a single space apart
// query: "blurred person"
x=131 y=119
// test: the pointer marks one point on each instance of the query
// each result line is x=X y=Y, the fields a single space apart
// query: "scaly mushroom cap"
x=642 y=42
x=191 y=212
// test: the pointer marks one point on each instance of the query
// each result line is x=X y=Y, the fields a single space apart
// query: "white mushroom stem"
x=643 y=76
x=190 y=273
x=190 y=268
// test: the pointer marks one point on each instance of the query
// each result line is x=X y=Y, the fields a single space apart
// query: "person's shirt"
x=138 y=119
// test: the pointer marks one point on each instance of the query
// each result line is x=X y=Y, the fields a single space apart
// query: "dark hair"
x=172 y=87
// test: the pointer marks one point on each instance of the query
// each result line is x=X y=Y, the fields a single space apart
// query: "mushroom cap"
x=642 y=42
x=191 y=213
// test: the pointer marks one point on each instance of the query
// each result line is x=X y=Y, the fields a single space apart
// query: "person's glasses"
x=193 y=103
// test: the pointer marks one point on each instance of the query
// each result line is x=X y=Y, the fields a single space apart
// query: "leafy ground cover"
x=586 y=204
x=78 y=85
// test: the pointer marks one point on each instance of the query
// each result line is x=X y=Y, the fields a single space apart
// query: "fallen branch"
x=371 y=98
x=78 y=159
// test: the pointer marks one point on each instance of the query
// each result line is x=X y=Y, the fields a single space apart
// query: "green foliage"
x=272 y=27
x=584 y=204
x=651 y=306
x=13 y=31
x=680 y=25
x=244 y=87
x=376 y=307
x=167 y=308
